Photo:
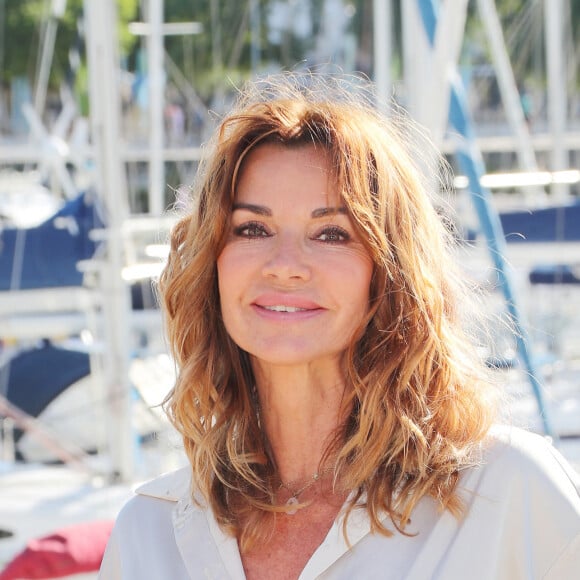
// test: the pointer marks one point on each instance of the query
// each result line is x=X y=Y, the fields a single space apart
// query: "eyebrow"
x=253 y=208
x=265 y=211
x=326 y=211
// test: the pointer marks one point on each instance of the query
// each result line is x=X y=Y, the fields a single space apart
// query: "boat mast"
x=156 y=102
x=57 y=9
x=510 y=94
x=255 y=27
x=383 y=50
x=471 y=162
x=105 y=113
x=155 y=30
x=557 y=82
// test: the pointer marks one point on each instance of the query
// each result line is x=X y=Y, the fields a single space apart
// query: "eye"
x=333 y=235
x=251 y=230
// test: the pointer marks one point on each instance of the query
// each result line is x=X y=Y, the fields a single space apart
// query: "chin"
x=291 y=357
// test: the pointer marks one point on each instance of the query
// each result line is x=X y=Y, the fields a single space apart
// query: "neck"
x=300 y=410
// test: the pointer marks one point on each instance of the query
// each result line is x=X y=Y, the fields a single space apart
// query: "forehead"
x=274 y=171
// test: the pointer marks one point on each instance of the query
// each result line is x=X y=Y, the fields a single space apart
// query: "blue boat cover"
x=37 y=376
x=555 y=274
x=550 y=224
x=46 y=256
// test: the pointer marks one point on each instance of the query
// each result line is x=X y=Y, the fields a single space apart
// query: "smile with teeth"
x=282 y=308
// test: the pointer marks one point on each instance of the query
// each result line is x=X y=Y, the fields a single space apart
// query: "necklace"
x=296 y=493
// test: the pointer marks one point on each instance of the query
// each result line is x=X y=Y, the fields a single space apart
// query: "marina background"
x=104 y=109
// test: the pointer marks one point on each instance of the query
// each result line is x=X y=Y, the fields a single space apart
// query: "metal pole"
x=255 y=34
x=383 y=50
x=557 y=82
x=415 y=59
x=56 y=11
x=105 y=112
x=510 y=93
x=156 y=102
x=2 y=37
x=446 y=52
x=216 y=53
x=471 y=162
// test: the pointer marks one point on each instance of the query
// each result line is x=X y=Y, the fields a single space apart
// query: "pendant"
x=292 y=501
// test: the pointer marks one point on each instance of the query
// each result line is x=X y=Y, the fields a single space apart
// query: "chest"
x=292 y=544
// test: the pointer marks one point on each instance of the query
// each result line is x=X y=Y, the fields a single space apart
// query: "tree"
x=23 y=25
x=222 y=53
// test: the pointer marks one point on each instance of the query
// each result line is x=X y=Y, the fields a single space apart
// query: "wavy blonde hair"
x=419 y=397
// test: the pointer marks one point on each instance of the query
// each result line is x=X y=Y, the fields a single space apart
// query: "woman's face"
x=293 y=276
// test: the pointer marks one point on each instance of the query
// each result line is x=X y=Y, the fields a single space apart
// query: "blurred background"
x=104 y=109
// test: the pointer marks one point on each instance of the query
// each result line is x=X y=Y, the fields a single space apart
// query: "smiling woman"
x=293 y=277
x=338 y=421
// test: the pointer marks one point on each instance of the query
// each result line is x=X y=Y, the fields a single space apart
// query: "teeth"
x=284 y=308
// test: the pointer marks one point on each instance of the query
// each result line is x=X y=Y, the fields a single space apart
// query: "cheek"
x=226 y=277
x=361 y=281
x=232 y=277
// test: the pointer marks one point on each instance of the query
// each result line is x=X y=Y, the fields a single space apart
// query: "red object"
x=71 y=550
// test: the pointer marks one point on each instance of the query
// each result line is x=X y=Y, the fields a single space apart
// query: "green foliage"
x=22 y=36
x=223 y=52
x=127 y=11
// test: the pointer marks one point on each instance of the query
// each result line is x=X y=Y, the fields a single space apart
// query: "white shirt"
x=522 y=522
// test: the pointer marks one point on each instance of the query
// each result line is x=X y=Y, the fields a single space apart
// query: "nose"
x=287 y=260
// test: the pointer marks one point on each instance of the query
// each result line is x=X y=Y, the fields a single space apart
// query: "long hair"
x=418 y=396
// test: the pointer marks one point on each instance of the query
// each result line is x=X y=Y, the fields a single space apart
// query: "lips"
x=285 y=308
x=285 y=303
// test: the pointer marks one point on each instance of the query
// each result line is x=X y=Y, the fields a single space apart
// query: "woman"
x=334 y=411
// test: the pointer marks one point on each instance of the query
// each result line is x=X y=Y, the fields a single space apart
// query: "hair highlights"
x=418 y=398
